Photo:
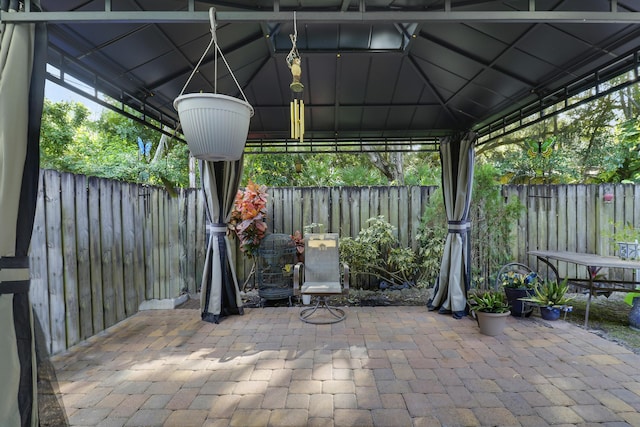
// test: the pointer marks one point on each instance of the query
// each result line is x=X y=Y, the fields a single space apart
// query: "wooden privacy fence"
x=572 y=217
x=344 y=210
x=101 y=247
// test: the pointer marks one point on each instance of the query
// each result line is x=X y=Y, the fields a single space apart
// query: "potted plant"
x=491 y=309
x=248 y=220
x=248 y=216
x=633 y=299
x=214 y=125
x=626 y=238
x=517 y=281
x=550 y=296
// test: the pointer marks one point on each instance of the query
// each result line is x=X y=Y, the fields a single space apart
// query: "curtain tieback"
x=14 y=275
x=459 y=227
x=217 y=228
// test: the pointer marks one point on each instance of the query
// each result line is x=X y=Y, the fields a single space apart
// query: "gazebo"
x=404 y=75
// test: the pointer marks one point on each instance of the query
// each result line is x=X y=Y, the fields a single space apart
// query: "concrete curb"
x=163 y=304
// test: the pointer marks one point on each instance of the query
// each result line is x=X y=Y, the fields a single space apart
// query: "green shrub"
x=492 y=220
x=431 y=236
x=376 y=252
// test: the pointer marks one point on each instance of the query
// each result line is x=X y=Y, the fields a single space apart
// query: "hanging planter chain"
x=214 y=42
x=215 y=126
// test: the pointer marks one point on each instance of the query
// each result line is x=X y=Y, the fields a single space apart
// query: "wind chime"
x=297 y=104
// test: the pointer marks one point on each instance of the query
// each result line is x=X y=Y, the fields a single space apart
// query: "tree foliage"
x=492 y=223
x=62 y=122
x=595 y=142
x=337 y=169
x=107 y=147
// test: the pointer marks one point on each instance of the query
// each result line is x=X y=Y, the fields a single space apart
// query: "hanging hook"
x=293 y=59
x=214 y=38
x=213 y=24
x=214 y=41
x=293 y=54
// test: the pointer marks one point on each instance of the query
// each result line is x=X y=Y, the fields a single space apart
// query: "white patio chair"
x=320 y=278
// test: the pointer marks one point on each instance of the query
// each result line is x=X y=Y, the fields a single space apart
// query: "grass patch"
x=609 y=317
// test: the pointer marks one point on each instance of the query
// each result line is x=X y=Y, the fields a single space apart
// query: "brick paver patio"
x=382 y=366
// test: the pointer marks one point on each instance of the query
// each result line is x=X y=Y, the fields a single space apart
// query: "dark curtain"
x=220 y=293
x=457 y=158
x=23 y=50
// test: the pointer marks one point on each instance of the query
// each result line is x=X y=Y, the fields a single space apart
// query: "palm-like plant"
x=489 y=302
x=550 y=293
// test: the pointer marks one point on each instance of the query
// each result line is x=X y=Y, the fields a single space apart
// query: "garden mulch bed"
x=356 y=297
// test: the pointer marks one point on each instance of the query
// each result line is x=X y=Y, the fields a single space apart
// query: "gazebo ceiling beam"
x=323 y=17
x=356 y=146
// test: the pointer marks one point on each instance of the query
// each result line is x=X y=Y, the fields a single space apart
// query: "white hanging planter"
x=214 y=125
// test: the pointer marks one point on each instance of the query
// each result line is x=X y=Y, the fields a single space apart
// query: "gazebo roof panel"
x=403 y=65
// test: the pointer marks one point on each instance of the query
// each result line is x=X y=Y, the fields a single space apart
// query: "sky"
x=57 y=93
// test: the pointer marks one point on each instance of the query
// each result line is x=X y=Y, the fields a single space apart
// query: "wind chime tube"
x=296 y=119
x=301 y=123
x=293 y=123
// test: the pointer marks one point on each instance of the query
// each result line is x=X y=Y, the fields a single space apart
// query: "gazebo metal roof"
x=392 y=75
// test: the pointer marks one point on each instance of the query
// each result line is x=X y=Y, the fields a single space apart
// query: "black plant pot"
x=518 y=308
x=549 y=313
x=634 y=314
